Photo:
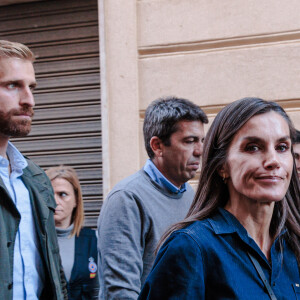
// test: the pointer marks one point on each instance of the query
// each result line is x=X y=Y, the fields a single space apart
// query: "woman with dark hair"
x=77 y=245
x=241 y=237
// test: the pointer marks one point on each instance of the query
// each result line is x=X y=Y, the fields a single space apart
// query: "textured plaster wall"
x=211 y=52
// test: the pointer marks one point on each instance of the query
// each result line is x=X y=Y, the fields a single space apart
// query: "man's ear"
x=156 y=146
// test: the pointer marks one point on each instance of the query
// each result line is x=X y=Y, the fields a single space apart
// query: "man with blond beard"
x=30 y=266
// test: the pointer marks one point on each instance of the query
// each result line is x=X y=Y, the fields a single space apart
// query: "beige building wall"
x=211 y=52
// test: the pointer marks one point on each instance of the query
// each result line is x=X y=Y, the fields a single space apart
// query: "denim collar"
x=225 y=223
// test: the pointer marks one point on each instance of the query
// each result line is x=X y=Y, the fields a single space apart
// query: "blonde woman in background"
x=77 y=245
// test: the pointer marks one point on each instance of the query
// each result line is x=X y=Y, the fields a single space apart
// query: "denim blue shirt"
x=209 y=260
x=160 y=179
x=28 y=273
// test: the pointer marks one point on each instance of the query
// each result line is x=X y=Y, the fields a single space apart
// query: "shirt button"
x=274 y=284
x=8 y=244
x=10 y=286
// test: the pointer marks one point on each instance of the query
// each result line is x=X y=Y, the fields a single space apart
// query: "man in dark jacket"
x=30 y=266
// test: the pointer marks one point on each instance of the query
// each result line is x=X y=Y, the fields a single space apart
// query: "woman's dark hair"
x=213 y=193
x=296 y=139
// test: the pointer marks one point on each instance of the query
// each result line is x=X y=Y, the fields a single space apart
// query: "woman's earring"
x=224 y=178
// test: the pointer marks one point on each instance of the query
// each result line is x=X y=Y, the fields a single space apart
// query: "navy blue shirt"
x=209 y=260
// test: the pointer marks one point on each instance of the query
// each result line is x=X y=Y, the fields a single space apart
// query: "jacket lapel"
x=40 y=196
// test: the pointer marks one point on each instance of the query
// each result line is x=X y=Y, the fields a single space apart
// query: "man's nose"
x=198 y=148
x=26 y=97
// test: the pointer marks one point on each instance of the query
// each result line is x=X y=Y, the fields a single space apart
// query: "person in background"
x=30 y=266
x=296 y=148
x=241 y=237
x=141 y=207
x=77 y=245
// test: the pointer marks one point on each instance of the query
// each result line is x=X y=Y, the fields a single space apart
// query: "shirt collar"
x=160 y=179
x=16 y=159
x=225 y=223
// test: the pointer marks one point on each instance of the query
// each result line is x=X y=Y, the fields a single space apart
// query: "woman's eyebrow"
x=252 y=139
x=258 y=139
x=284 y=138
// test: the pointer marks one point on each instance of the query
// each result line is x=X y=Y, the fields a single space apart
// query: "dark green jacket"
x=43 y=205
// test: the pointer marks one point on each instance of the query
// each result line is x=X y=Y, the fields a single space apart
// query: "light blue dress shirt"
x=160 y=179
x=28 y=272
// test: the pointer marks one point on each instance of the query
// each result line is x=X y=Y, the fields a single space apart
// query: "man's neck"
x=158 y=164
x=3 y=146
x=156 y=175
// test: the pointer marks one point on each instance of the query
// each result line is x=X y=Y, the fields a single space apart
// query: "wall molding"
x=219 y=44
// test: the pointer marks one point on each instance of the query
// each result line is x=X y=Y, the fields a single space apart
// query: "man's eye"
x=32 y=87
x=252 y=148
x=62 y=194
x=189 y=141
x=11 y=85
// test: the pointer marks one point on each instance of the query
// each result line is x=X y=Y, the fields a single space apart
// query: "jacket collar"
x=40 y=190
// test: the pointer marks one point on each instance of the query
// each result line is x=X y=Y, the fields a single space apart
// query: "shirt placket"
x=25 y=229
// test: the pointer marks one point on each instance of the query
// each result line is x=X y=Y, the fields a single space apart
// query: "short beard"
x=18 y=128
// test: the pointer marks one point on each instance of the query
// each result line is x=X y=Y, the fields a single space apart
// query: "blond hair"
x=13 y=49
x=69 y=174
